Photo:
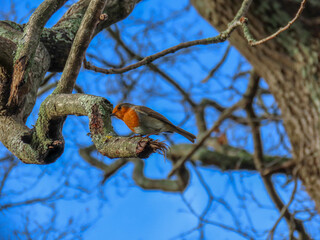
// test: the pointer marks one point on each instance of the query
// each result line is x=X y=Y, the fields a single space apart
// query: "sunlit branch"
x=223 y=36
x=80 y=44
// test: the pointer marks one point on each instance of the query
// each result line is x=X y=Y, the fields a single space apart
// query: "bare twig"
x=223 y=36
x=108 y=170
x=7 y=172
x=258 y=161
x=222 y=117
x=153 y=67
x=283 y=210
x=216 y=68
x=48 y=78
x=253 y=42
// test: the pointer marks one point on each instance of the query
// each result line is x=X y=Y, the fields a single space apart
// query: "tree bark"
x=289 y=64
x=28 y=52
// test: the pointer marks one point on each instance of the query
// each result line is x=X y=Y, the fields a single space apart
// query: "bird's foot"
x=134 y=136
x=147 y=136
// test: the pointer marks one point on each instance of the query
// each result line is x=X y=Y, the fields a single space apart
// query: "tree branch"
x=167 y=185
x=223 y=36
x=258 y=159
x=108 y=170
x=27 y=47
x=80 y=44
x=138 y=176
x=219 y=64
x=152 y=66
x=254 y=42
x=45 y=143
x=221 y=118
x=228 y=158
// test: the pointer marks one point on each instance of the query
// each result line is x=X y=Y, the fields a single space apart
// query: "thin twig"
x=46 y=88
x=152 y=67
x=216 y=68
x=48 y=78
x=255 y=43
x=225 y=114
x=283 y=210
x=223 y=36
x=258 y=161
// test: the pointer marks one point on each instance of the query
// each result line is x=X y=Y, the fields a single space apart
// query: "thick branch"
x=11 y=33
x=27 y=47
x=228 y=158
x=167 y=185
x=79 y=46
x=98 y=109
x=58 y=39
x=138 y=173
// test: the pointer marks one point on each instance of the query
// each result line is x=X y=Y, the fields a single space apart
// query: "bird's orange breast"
x=131 y=119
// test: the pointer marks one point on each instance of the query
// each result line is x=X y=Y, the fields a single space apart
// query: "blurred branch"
x=7 y=172
x=138 y=176
x=48 y=78
x=46 y=88
x=214 y=223
x=241 y=120
x=217 y=67
x=283 y=210
x=153 y=67
x=228 y=158
x=108 y=170
x=50 y=197
x=225 y=114
x=258 y=160
x=50 y=86
x=167 y=185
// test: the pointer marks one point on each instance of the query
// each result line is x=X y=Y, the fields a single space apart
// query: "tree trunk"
x=289 y=64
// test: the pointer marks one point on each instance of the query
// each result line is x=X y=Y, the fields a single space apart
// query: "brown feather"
x=154 y=114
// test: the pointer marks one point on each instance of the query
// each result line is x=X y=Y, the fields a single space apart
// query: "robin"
x=145 y=121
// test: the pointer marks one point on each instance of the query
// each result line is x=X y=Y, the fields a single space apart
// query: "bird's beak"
x=112 y=115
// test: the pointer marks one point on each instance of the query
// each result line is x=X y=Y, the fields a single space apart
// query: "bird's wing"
x=151 y=113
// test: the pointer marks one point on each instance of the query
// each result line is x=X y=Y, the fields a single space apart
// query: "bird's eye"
x=119 y=108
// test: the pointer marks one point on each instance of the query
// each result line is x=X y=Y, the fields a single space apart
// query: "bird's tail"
x=186 y=134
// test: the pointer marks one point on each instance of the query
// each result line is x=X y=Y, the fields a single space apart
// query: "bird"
x=145 y=121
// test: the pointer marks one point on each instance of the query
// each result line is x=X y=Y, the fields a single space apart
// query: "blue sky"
x=119 y=209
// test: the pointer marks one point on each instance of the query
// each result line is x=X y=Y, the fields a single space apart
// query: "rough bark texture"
x=290 y=65
x=28 y=52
